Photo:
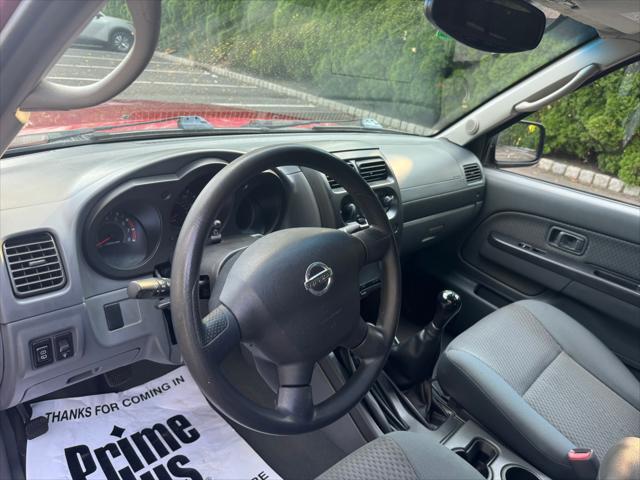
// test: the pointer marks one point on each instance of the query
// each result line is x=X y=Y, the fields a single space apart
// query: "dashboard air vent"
x=34 y=264
x=332 y=183
x=472 y=172
x=373 y=170
x=370 y=169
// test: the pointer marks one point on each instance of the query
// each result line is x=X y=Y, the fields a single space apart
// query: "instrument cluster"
x=135 y=228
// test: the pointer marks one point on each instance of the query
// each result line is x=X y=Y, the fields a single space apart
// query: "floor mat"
x=160 y=430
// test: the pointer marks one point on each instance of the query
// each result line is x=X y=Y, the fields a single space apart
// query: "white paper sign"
x=162 y=430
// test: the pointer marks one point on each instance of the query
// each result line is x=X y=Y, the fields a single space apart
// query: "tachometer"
x=186 y=200
x=184 y=203
x=121 y=240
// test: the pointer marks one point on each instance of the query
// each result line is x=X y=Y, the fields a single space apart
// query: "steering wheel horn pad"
x=278 y=317
x=291 y=297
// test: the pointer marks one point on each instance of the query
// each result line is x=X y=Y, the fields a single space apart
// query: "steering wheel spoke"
x=376 y=243
x=295 y=396
x=373 y=346
x=219 y=332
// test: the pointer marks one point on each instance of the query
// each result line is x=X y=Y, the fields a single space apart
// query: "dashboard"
x=80 y=223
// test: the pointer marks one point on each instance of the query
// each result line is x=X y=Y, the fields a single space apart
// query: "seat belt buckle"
x=584 y=462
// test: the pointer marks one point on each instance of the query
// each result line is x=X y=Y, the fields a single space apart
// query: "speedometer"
x=121 y=240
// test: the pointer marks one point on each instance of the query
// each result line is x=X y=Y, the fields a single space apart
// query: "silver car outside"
x=111 y=32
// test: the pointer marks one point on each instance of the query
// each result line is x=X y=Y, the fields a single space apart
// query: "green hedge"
x=385 y=50
x=599 y=124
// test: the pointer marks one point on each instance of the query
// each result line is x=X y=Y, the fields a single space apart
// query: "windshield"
x=290 y=64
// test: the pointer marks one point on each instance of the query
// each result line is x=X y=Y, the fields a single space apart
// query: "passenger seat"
x=543 y=384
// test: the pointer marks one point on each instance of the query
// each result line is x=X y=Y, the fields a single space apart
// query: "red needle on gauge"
x=103 y=241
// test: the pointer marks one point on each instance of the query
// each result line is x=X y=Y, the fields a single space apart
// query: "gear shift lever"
x=447 y=306
x=412 y=361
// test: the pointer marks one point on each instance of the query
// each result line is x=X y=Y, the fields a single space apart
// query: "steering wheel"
x=291 y=297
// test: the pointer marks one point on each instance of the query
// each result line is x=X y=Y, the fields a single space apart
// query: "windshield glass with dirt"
x=356 y=64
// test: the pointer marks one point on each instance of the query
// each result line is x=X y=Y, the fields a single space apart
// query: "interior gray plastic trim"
x=17 y=335
x=141 y=319
x=80 y=374
x=53 y=96
x=552 y=264
x=96 y=349
x=495 y=252
x=431 y=229
x=433 y=170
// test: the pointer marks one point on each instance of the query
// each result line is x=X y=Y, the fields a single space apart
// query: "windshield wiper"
x=326 y=125
x=368 y=123
x=186 y=125
x=192 y=122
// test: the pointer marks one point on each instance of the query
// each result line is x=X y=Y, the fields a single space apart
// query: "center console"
x=490 y=457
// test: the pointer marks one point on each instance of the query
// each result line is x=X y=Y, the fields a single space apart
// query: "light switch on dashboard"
x=63 y=344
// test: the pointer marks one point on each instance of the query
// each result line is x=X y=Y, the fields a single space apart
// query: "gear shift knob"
x=449 y=299
x=447 y=306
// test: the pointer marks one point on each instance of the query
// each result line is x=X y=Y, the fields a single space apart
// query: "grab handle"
x=569 y=87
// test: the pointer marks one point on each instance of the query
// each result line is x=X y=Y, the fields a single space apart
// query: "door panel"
x=538 y=247
x=577 y=251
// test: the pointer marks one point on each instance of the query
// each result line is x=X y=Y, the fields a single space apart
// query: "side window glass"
x=591 y=139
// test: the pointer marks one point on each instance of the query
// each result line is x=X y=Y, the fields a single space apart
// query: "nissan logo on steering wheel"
x=318 y=278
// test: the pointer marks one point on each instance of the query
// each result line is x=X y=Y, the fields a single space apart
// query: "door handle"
x=568 y=241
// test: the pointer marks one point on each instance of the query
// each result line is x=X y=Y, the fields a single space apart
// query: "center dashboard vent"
x=34 y=264
x=472 y=172
x=370 y=169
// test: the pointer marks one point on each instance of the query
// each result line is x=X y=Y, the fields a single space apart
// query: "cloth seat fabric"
x=541 y=383
x=402 y=456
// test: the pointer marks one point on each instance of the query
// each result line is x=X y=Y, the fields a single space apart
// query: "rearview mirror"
x=520 y=145
x=499 y=26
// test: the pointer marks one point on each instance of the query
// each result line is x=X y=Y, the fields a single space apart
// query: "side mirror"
x=99 y=15
x=498 y=26
x=520 y=145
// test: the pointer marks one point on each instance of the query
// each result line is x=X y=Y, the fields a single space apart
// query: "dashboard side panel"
x=437 y=199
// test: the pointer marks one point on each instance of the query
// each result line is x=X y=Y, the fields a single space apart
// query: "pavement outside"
x=167 y=81
x=535 y=172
